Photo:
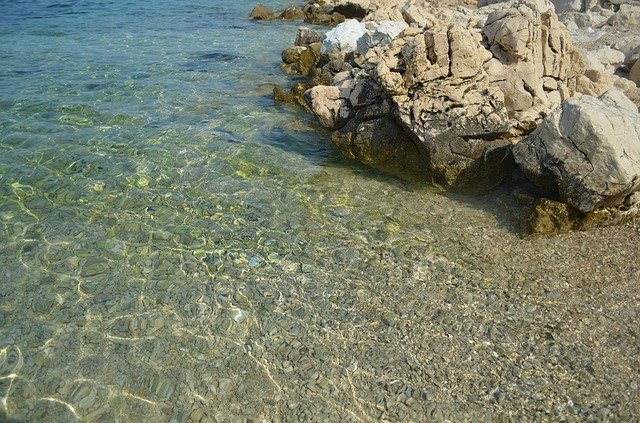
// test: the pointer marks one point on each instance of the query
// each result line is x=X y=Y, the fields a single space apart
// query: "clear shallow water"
x=174 y=247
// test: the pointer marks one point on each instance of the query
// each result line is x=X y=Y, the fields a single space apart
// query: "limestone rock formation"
x=534 y=61
x=596 y=18
x=444 y=100
x=588 y=150
x=449 y=91
x=379 y=34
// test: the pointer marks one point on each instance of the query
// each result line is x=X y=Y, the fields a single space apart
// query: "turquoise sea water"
x=174 y=247
x=154 y=207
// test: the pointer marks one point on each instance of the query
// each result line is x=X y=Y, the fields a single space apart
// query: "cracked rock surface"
x=534 y=61
x=588 y=150
x=444 y=100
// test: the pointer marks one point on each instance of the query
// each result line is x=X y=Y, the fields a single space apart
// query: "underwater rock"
x=379 y=142
x=294 y=96
x=548 y=217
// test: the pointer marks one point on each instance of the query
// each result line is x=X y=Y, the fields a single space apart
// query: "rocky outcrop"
x=300 y=60
x=379 y=34
x=588 y=151
x=461 y=86
x=303 y=56
x=312 y=13
x=318 y=15
x=292 y=13
x=628 y=15
x=330 y=106
x=261 y=12
x=443 y=98
x=448 y=92
x=534 y=61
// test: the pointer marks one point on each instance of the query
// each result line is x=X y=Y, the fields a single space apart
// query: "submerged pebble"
x=239 y=316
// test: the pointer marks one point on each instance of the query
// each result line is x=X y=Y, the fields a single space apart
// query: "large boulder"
x=610 y=59
x=344 y=37
x=588 y=150
x=444 y=100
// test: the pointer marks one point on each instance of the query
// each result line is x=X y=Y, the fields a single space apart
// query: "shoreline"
x=176 y=249
x=348 y=94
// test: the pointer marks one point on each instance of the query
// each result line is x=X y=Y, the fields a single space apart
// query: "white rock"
x=344 y=37
x=379 y=34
